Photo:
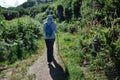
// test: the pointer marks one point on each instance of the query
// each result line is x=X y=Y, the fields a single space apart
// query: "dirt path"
x=43 y=71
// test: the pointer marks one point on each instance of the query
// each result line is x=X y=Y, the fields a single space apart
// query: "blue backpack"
x=48 y=30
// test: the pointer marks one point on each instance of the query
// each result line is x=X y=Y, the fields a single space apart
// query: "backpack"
x=48 y=30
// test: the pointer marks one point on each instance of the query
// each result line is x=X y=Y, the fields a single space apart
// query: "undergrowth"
x=18 y=39
x=69 y=53
x=77 y=51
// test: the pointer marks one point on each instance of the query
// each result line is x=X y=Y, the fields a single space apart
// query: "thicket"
x=106 y=57
x=12 y=13
x=18 y=39
x=28 y=4
x=98 y=20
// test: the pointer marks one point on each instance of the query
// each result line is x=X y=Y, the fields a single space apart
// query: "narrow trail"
x=43 y=71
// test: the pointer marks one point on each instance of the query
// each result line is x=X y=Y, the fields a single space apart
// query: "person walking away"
x=49 y=30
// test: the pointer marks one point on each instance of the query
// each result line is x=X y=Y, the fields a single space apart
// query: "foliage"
x=44 y=7
x=108 y=51
x=68 y=11
x=76 y=8
x=18 y=39
x=51 y=10
x=2 y=17
x=70 y=8
x=60 y=12
x=34 y=11
x=28 y=4
x=29 y=8
x=10 y=14
x=82 y=21
x=107 y=56
x=70 y=55
x=22 y=11
x=86 y=11
x=71 y=28
x=100 y=11
x=41 y=17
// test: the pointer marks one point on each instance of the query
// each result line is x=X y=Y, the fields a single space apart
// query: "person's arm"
x=55 y=28
x=44 y=28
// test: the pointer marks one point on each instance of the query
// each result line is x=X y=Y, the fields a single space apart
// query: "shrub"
x=44 y=7
x=28 y=4
x=2 y=17
x=34 y=11
x=18 y=39
x=41 y=17
x=21 y=11
x=3 y=51
x=107 y=56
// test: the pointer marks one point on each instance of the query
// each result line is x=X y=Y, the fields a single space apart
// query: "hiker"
x=49 y=30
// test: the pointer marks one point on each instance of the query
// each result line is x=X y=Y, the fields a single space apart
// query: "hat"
x=49 y=17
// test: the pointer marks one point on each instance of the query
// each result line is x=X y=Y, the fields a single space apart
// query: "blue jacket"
x=53 y=26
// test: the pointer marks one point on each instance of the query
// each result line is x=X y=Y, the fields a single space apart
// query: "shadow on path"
x=57 y=72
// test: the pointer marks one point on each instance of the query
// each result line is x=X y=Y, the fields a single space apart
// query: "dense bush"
x=107 y=55
x=41 y=17
x=44 y=7
x=1 y=18
x=11 y=13
x=51 y=10
x=18 y=39
x=8 y=14
x=28 y=8
x=99 y=11
x=28 y=4
x=22 y=11
x=34 y=11
x=71 y=28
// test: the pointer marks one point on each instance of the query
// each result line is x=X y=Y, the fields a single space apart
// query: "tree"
x=28 y=4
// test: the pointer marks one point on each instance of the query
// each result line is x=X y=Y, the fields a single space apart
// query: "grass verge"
x=68 y=46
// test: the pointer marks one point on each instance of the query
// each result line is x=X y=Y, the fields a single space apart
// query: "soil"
x=44 y=71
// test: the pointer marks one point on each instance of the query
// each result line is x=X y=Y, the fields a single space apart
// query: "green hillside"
x=89 y=35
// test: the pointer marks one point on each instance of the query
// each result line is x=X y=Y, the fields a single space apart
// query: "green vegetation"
x=97 y=21
x=70 y=54
x=80 y=22
x=18 y=39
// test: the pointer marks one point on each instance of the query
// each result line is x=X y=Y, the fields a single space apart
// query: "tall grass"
x=69 y=53
x=77 y=51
